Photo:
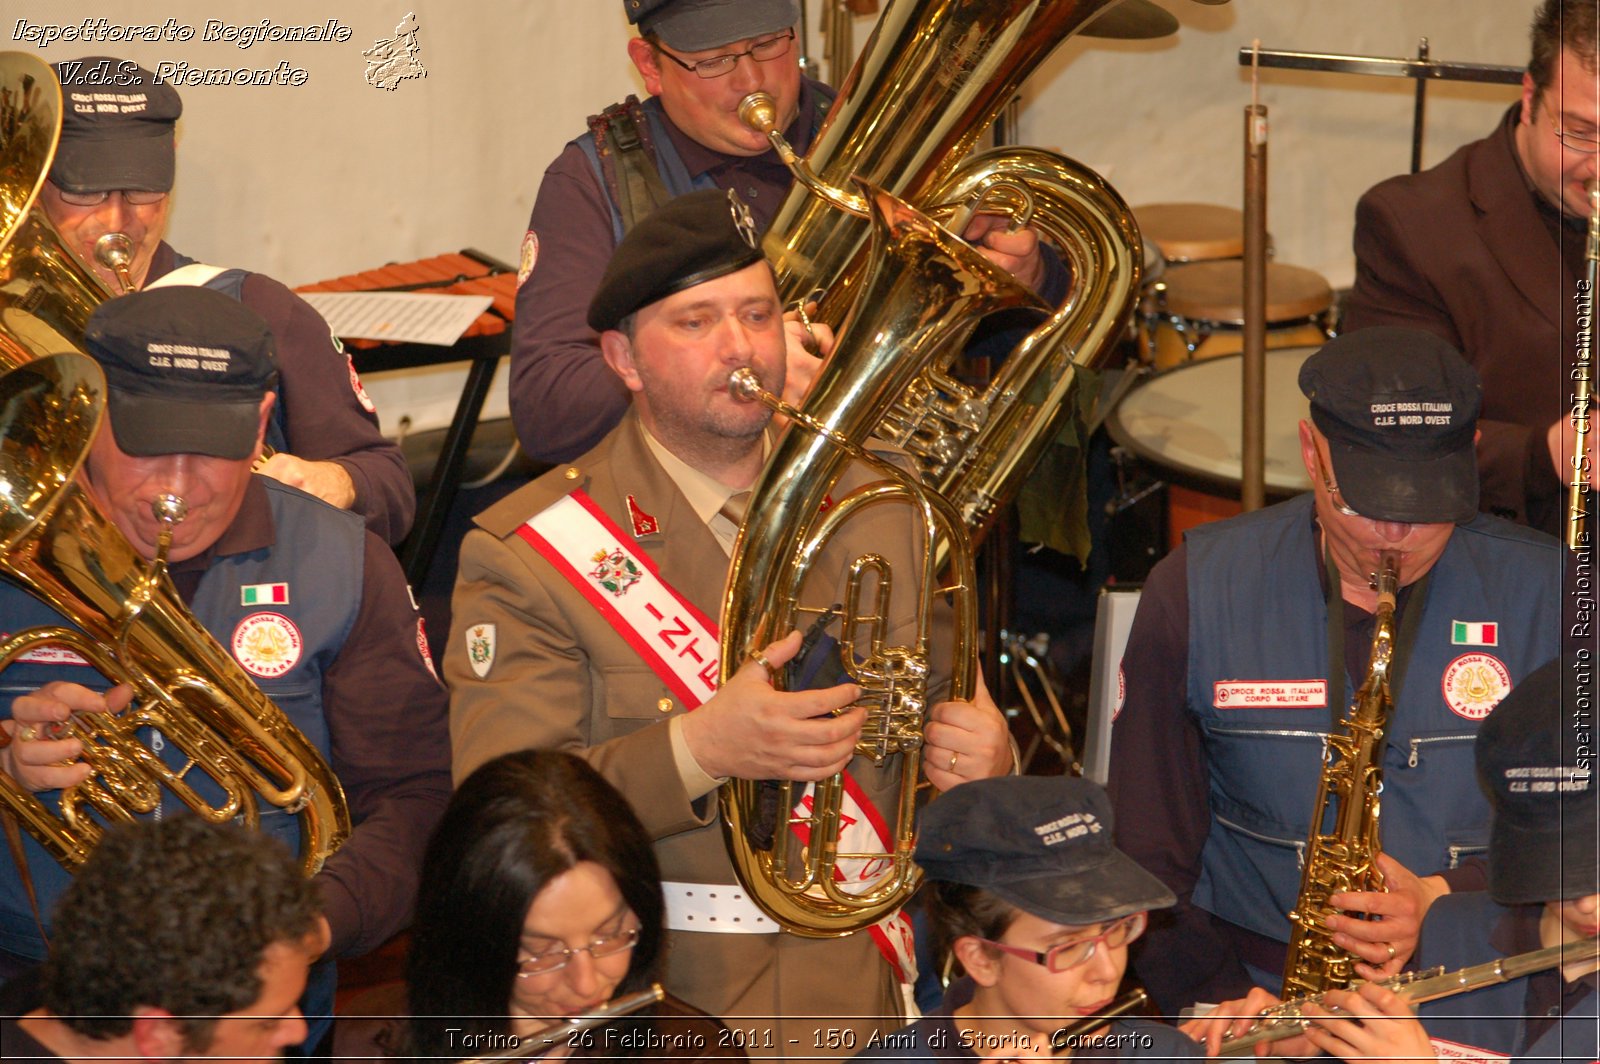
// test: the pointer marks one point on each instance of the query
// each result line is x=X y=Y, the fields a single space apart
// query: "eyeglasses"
x=1068 y=955
x=764 y=50
x=132 y=196
x=1332 y=488
x=556 y=959
x=1585 y=142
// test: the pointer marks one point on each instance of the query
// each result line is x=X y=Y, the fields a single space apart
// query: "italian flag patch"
x=268 y=595
x=1475 y=633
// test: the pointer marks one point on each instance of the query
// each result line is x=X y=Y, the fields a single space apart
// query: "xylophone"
x=470 y=273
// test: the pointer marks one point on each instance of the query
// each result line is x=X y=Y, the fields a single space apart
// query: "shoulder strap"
x=627 y=161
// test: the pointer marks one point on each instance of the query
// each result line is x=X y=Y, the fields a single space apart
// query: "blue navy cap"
x=696 y=25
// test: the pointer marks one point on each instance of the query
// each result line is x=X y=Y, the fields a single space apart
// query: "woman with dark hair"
x=541 y=900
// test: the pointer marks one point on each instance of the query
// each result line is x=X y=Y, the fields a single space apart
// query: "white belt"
x=715 y=908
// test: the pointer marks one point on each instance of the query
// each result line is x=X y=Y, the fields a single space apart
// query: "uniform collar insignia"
x=643 y=524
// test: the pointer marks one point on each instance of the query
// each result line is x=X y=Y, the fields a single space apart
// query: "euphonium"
x=928 y=84
x=925 y=289
x=130 y=624
x=1344 y=857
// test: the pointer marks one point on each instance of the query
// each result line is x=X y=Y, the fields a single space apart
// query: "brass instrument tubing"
x=1582 y=378
x=759 y=111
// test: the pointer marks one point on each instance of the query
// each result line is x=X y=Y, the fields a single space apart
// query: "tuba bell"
x=127 y=618
x=929 y=83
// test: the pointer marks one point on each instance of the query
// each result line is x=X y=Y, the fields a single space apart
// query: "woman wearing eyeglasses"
x=1028 y=895
x=540 y=901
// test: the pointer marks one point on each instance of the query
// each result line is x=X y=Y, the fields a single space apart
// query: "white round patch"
x=530 y=256
x=267 y=644
x=1474 y=683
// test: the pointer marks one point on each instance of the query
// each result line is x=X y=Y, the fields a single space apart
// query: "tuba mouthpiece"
x=169 y=509
x=114 y=251
x=744 y=384
x=759 y=111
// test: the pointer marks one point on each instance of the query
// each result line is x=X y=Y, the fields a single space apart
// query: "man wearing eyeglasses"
x=698 y=59
x=113 y=173
x=1487 y=250
x=1252 y=639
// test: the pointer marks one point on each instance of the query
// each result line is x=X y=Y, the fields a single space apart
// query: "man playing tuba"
x=580 y=623
x=311 y=605
x=1252 y=639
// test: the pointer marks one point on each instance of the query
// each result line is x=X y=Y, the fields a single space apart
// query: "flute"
x=1286 y=1021
x=553 y=1037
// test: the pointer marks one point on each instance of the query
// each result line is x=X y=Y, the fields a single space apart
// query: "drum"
x=1186 y=423
x=1199 y=311
x=1192 y=232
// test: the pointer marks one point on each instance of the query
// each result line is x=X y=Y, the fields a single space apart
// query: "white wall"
x=335 y=176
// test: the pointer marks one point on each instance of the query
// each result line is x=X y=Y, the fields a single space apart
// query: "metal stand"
x=1422 y=69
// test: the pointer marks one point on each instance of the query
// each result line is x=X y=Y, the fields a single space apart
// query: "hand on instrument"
x=328 y=481
x=1377 y=1026
x=1232 y=1019
x=1386 y=943
x=33 y=755
x=1015 y=252
x=1560 y=438
x=807 y=346
x=749 y=731
x=965 y=741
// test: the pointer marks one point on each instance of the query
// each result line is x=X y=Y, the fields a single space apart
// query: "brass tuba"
x=130 y=623
x=1344 y=857
x=928 y=85
x=906 y=293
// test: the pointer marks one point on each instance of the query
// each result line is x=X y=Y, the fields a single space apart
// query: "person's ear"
x=980 y=962
x=617 y=350
x=647 y=63
x=1530 y=98
x=156 y=1034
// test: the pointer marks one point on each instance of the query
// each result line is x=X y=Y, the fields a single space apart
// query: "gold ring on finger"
x=761 y=659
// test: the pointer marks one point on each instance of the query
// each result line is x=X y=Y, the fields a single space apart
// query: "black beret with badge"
x=687 y=241
x=186 y=370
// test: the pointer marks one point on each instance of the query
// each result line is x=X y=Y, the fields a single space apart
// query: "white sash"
x=681 y=646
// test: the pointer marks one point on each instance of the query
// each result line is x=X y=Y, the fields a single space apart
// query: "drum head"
x=1187 y=421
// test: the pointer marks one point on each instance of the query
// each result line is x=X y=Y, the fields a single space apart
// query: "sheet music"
x=399 y=316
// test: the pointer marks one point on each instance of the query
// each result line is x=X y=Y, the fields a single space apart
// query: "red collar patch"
x=643 y=523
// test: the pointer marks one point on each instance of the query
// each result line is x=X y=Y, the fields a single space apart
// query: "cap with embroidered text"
x=1399 y=409
x=686 y=241
x=696 y=25
x=1535 y=755
x=1042 y=843
x=186 y=369
x=116 y=127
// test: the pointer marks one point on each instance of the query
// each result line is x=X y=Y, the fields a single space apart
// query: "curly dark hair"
x=514 y=825
x=176 y=915
x=1561 y=24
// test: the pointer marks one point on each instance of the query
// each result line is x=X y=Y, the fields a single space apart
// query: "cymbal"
x=1132 y=20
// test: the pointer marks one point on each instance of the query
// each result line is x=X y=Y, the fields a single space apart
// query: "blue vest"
x=1257 y=614
x=669 y=164
x=1456 y=934
x=317 y=553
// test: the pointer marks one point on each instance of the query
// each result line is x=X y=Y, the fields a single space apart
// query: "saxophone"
x=1345 y=858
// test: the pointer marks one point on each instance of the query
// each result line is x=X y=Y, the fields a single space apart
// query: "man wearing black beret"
x=697 y=60
x=113 y=173
x=585 y=619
